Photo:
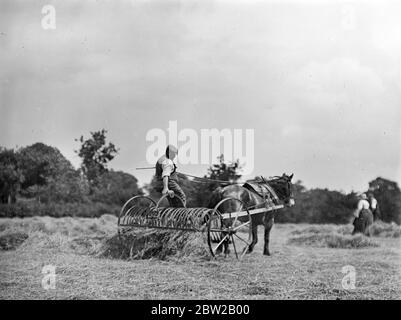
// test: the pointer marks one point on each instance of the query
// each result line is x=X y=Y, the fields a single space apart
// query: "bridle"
x=282 y=197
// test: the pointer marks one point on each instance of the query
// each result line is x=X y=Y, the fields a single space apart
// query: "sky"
x=318 y=82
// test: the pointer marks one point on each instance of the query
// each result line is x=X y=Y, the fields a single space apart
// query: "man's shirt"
x=166 y=166
x=373 y=203
x=363 y=204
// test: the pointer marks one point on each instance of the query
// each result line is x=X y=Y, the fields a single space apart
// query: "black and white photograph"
x=214 y=152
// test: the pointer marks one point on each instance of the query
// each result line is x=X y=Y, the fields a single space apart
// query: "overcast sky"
x=318 y=81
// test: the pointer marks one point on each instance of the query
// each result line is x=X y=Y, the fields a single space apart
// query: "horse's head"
x=283 y=187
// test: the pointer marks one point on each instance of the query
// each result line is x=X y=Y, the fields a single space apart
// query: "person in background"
x=168 y=178
x=374 y=206
x=363 y=216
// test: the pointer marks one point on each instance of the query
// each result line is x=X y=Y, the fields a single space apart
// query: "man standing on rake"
x=168 y=178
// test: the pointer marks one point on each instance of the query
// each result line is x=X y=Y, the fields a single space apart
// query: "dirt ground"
x=291 y=272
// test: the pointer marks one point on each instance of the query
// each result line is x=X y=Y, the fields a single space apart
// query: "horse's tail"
x=216 y=197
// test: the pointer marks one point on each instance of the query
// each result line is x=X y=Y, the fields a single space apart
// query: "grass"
x=76 y=247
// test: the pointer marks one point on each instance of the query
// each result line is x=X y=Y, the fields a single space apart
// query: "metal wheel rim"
x=233 y=217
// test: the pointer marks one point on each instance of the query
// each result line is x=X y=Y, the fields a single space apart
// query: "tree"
x=39 y=162
x=294 y=214
x=318 y=206
x=65 y=187
x=222 y=171
x=388 y=195
x=95 y=155
x=11 y=176
x=115 y=187
x=49 y=176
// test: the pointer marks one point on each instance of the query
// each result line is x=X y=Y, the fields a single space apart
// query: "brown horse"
x=282 y=187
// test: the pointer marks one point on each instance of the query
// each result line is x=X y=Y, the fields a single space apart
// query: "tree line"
x=39 y=180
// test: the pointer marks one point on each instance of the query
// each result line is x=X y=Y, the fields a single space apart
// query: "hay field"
x=306 y=263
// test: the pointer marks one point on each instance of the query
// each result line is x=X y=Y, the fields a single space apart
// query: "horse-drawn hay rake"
x=232 y=228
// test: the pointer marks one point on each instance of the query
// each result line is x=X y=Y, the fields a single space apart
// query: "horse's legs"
x=268 y=224
x=254 y=237
x=219 y=249
x=226 y=246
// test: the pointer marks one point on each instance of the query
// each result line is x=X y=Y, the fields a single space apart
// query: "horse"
x=281 y=185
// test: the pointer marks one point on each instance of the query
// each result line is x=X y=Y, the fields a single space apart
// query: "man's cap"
x=171 y=151
x=172 y=148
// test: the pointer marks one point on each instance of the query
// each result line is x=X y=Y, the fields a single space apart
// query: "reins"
x=203 y=179
x=209 y=180
x=227 y=183
x=223 y=182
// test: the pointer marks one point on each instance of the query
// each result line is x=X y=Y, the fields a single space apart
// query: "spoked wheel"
x=229 y=226
x=131 y=208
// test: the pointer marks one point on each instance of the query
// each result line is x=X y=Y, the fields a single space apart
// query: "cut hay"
x=324 y=229
x=386 y=230
x=315 y=229
x=345 y=229
x=12 y=240
x=160 y=244
x=334 y=236
x=71 y=227
x=331 y=236
x=78 y=235
x=97 y=236
x=350 y=241
x=38 y=241
x=333 y=240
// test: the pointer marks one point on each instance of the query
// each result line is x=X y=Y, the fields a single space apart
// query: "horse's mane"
x=270 y=179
